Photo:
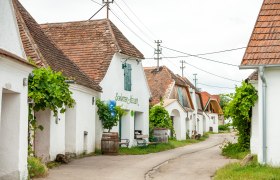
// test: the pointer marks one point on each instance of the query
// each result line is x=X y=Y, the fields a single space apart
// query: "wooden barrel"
x=110 y=143
x=161 y=135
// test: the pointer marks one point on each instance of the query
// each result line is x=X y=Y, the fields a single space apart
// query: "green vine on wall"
x=240 y=109
x=48 y=90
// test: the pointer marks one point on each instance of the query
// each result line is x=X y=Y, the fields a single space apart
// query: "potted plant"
x=109 y=114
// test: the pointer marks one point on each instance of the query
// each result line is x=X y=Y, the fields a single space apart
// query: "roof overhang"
x=257 y=66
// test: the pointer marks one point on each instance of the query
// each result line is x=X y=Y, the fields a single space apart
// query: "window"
x=127 y=76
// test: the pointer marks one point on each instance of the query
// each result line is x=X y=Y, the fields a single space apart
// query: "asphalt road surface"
x=191 y=162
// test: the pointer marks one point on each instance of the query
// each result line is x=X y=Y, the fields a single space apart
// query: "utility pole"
x=158 y=52
x=195 y=80
x=183 y=67
x=107 y=3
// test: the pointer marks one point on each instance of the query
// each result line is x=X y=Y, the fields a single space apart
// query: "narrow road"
x=196 y=161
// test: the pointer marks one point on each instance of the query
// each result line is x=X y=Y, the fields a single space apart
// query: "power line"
x=203 y=54
x=96 y=2
x=138 y=19
x=200 y=57
x=131 y=29
x=216 y=86
x=212 y=73
x=141 y=30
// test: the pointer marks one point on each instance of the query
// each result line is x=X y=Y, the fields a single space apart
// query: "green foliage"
x=252 y=171
x=104 y=113
x=225 y=99
x=159 y=118
x=48 y=90
x=234 y=151
x=36 y=168
x=223 y=127
x=239 y=109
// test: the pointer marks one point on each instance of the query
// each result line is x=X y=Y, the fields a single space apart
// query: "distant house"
x=263 y=54
x=105 y=55
x=14 y=72
x=200 y=124
x=174 y=92
x=73 y=131
x=212 y=111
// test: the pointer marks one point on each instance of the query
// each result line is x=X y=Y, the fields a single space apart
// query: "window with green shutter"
x=127 y=76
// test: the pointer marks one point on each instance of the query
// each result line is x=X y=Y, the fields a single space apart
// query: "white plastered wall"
x=14 y=108
x=113 y=84
x=254 y=140
x=272 y=128
x=80 y=120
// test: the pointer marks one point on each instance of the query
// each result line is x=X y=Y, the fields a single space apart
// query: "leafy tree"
x=225 y=99
x=159 y=118
x=239 y=109
x=109 y=116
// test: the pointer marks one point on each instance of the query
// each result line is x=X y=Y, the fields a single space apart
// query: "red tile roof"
x=44 y=52
x=161 y=83
x=91 y=44
x=264 y=45
x=14 y=57
x=205 y=98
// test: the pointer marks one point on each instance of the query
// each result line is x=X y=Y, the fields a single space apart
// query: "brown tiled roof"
x=254 y=76
x=264 y=45
x=189 y=83
x=205 y=98
x=91 y=44
x=14 y=57
x=160 y=83
x=44 y=52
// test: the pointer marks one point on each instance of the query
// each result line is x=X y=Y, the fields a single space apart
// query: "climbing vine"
x=47 y=90
x=240 y=110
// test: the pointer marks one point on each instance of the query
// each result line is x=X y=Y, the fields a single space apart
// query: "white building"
x=200 y=124
x=262 y=54
x=212 y=110
x=14 y=71
x=174 y=92
x=73 y=131
x=105 y=55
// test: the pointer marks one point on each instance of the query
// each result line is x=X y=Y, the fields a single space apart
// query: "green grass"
x=253 y=171
x=159 y=147
x=52 y=164
x=233 y=151
x=36 y=168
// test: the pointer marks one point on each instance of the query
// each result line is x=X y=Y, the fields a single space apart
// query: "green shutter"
x=127 y=77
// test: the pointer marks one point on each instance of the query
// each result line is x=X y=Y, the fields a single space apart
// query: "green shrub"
x=223 y=128
x=233 y=150
x=36 y=168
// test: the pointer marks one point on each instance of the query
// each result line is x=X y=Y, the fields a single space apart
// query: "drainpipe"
x=264 y=143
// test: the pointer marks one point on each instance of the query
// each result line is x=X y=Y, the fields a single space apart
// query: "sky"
x=189 y=26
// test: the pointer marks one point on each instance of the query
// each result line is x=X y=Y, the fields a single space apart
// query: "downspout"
x=264 y=86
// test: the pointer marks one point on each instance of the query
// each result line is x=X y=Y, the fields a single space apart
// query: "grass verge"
x=233 y=151
x=252 y=171
x=36 y=168
x=160 y=147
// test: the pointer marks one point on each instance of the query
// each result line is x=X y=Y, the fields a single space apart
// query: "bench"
x=145 y=143
x=124 y=142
